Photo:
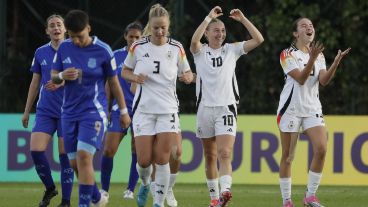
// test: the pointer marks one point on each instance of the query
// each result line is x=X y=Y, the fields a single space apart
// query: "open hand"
x=340 y=54
x=315 y=49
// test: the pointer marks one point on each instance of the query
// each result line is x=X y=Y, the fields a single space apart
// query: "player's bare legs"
x=285 y=168
x=162 y=150
x=225 y=145
x=144 y=149
x=210 y=158
x=175 y=161
x=318 y=138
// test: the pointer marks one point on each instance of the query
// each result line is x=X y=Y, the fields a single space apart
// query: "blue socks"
x=85 y=194
x=133 y=176
x=66 y=177
x=43 y=168
x=96 y=195
x=107 y=164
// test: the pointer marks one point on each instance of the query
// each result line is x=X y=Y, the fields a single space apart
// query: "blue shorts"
x=90 y=131
x=114 y=125
x=47 y=125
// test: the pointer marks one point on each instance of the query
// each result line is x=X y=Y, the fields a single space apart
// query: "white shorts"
x=292 y=123
x=216 y=120
x=152 y=124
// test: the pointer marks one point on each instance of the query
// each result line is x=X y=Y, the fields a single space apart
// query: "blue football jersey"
x=95 y=64
x=120 y=56
x=49 y=102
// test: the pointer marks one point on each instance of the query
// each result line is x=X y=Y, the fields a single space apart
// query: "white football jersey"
x=162 y=64
x=216 y=83
x=296 y=99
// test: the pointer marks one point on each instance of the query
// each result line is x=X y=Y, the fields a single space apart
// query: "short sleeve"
x=35 y=67
x=131 y=59
x=110 y=63
x=288 y=61
x=183 y=64
x=321 y=62
x=237 y=48
x=56 y=62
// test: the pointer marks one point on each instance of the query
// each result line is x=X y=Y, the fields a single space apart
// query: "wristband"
x=123 y=111
x=208 y=19
x=60 y=76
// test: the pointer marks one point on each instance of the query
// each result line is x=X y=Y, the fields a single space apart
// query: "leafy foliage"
x=339 y=24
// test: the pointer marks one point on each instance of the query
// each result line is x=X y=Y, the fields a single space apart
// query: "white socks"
x=172 y=180
x=144 y=173
x=225 y=183
x=314 y=180
x=213 y=188
x=162 y=180
x=285 y=187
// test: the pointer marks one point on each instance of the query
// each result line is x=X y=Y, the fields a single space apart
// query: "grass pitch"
x=194 y=195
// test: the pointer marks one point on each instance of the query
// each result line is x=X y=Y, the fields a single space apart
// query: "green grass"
x=195 y=195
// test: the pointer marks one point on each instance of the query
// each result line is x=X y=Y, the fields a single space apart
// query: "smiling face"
x=160 y=29
x=305 y=32
x=215 y=34
x=55 y=29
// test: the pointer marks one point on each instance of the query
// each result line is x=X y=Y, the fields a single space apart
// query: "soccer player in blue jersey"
x=115 y=133
x=48 y=114
x=86 y=63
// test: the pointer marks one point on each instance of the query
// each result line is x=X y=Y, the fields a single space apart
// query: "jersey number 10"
x=217 y=62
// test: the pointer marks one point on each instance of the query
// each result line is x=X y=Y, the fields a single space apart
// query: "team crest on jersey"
x=92 y=62
x=291 y=124
x=169 y=55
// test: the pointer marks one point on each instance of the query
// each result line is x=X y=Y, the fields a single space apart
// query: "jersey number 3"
x=157 y=66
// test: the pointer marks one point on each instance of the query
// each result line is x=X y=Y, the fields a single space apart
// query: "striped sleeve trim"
x=180 y=46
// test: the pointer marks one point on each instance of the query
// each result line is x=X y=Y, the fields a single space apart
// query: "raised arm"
x=301 y=76
x=195 y=44
x=257 y=37
x=325 y=76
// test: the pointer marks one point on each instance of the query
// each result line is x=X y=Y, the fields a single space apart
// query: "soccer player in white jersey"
x=86 y=63
x=48 y=115
x=304 y=67
x=217 y=96
x=155 y=62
